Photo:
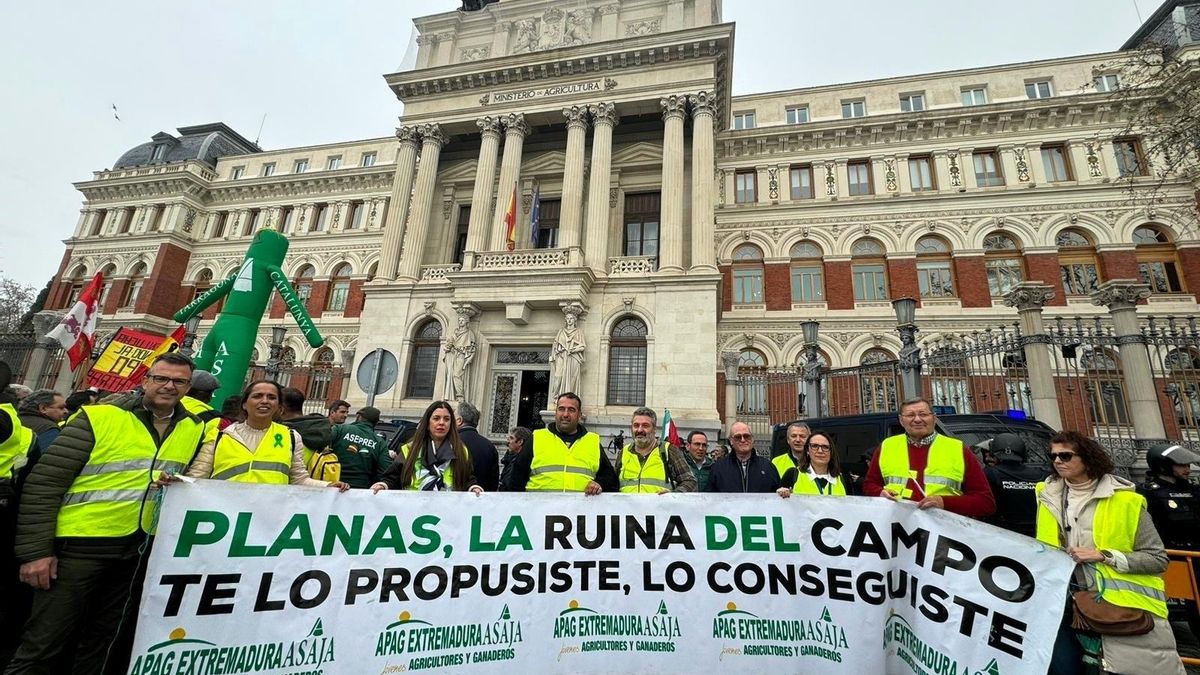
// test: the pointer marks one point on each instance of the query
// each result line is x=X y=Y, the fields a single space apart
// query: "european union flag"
x=535 y=217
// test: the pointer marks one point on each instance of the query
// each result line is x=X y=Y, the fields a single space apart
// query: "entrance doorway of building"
x=519 y=391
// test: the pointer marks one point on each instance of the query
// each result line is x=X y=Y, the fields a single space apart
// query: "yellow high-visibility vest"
x=943 y=473
x=108 y=495
x=805 y=485
x=199 y=408
x=16 y=445
x=270 y=463
x=784 y=462
x=419 y=471
x=649 y=477
x=557 y=468
x=1114 y=527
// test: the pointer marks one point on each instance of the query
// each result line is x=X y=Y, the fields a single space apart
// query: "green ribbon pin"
x=279 y=440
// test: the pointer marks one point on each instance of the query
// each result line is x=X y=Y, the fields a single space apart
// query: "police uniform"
x=1013 y=486
x=1175 y=509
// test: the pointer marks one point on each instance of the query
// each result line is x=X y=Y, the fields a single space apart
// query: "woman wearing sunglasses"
x=1100 y=520
x=819 y=472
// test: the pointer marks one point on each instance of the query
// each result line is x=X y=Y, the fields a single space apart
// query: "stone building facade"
x=677 y=222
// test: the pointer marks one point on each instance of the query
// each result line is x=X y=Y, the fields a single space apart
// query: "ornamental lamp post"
x=190 y=327
x=278 y=334
x=812 y=369
x=910 y=353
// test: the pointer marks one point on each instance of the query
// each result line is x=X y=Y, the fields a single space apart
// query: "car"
x=396 y=433
x=857 y=436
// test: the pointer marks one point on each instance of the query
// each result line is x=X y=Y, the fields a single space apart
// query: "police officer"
x=1173 y=502
x=1013 y=485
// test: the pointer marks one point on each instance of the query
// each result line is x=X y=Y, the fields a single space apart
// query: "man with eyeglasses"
x=743 y=470
x=921 y=465
x=797 y=436
x=86 y=509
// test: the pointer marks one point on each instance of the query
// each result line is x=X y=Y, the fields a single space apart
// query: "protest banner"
x=123 y=362
x=267 y=579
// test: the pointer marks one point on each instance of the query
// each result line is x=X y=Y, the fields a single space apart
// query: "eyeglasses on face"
x=917 y=416
x=742 y=437
x=1063 y=457
x=818 y=446
x=177 y=381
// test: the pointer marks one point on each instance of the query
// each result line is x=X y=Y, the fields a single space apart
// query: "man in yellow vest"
x=85 y=511
x=797 y=436
x=199 y=402
x=937 y=471
x=565 y=456
x=650 y=466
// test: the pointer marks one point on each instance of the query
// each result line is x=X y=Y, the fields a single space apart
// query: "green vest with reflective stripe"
x=16 y=445
x=943 y=472
x=110 y=493
x=557 y=468
x=419 y=471
x=805 y=485
x=1114 y=527
x=648 y=477
x=784 y=462
x=270 y=463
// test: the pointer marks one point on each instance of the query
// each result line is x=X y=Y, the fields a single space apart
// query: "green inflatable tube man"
x=227 y=347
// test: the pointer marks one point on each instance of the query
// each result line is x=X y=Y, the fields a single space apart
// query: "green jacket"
x=362 y=452
x=314 y=429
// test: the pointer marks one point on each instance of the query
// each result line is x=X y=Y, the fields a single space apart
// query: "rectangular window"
x=339 y=292
x=745 y=187
x=423 y=371
x=748 y=286
x=268 y=169
x=357 y=210
x=368 y=159
x=743 y=120
x=1106 y=83
x=920 y=173
x=547 y=236
x=641 y=224
x=160 y=151
x=1003 y=275
x=219 y=228
x=238 y=172
x=287 y=218
x=1161 y=276
x=1038 y=89
x=808 y=284
x=859 y=174
x=974 y=96
x=987 y=168
x=1054 y=159
x=1079 y=278
x=1130 y=160
x=627 y=375
x=460 y=233
x=912 y=102
x=801 y=180
x=334 y=162
x=852 y=109
x=870 y=283
x=935 y=279
x=300 y=166
x=320 y=221
x=796 y=115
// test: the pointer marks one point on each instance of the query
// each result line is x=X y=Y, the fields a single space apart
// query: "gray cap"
x=202 y=380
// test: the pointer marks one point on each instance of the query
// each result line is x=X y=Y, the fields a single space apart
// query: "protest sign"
x=124 y=361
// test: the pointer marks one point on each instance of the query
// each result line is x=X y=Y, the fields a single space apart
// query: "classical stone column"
x=397 y=215
x=570 y=221
x=432 y=141
x=703 y=246
x=43 y=323
x=729 y=360
x=604 y=118
x=670 y=233
x=1120 y=296
x=485 y=175
x=1029 y=297
x=515 y=130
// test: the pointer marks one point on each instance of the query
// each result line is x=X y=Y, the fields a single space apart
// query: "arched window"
x=627 y=363
x=339 y=288
x=137 y=278
x=1158 y=264
x=1002 y=259
x=322 y=375
x=1077 y=262
x=422 y=365
x=1105 y=387
x=77 y=280
x=870 y=271
x=303 y=282
x=752 y=383
x=747 y=275
x=287 y=366
x=808 y=273
x=935 y=276
x=878 y=367
x=204 y=281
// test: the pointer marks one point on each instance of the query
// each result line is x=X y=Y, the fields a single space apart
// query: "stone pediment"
x=638 y=154
x=462 y=172
x=553 y=162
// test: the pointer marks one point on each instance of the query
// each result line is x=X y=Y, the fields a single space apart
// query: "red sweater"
x=976 y=501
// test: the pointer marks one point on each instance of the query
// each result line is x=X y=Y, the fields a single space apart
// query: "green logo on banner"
x=601 y=632
x=311 y=653
x=754 y=635
x=914 y=651
x=318 y=629
x=436 y=646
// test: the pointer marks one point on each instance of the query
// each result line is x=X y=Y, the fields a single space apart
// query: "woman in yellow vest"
x=819 y=471
x=1100 y=520
x=259 y=449
x=440 y=463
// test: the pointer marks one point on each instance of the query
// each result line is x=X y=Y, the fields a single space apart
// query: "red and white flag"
x=76 y=329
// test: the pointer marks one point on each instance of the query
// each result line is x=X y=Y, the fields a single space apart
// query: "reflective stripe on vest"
x=18 y=442
x=557 y=468
x=420 y=472
x=648 y=477
x=270 y=463
x=108 y=495
x=805 y=485
x=944 y=468
x=1114 y=527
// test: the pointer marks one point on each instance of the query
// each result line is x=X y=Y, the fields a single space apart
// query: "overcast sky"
x=314 y=69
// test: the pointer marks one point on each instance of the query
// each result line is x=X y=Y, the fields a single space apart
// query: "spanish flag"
x=510 y=221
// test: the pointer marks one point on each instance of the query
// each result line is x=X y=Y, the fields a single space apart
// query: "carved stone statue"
x=578 y=31
x=527 y=37
x=567 y=355
x=458 y=357
x=551 y=29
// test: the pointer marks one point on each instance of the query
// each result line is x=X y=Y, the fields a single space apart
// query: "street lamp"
x=812 y=369
x=910 y=353
x=189 y=335
x=278 y=333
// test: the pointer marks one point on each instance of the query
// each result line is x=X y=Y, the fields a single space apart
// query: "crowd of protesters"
x=79 y=477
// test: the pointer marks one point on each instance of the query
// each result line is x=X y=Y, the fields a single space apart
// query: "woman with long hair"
x=819 y=471
x=434 y=459
x=1100 y=520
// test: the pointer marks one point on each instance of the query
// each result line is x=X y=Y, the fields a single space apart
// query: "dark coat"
x=726 y=476
x=484 y=458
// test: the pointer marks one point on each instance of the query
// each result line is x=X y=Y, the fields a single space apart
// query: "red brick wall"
x=970 y=281
x=277 y=307
x=1043 y=267
x=902 y=279
x=354 y=302
x=116 y=293
x=777 y=285
x=726 y=288
x=839 y=285
x=160 y=293
x=1189 y=261
x=1118 y=265
x=316 y=301
x=57 y=299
